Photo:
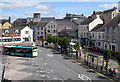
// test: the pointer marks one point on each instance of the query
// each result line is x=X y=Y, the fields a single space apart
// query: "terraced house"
x=112 y=34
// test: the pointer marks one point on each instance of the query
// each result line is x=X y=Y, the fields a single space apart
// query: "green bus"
x=26 y=51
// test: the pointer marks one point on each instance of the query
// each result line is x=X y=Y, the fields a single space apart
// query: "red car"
x=95 y=49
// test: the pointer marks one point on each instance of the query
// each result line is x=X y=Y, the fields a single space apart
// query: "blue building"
x=32 y=25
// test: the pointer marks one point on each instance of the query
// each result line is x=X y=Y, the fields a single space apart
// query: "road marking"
x=89 y=68
x=84 y=77
x=50 y=55
x=39 y=50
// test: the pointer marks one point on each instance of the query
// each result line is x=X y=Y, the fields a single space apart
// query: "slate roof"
x=68 y=30
x=96 y=28
x=42 y=24
x=12 y=29
x=87 y=21
x=62 y=23
x=2 y=21
x=32 y=23
x=47 y=18
x=112 y=23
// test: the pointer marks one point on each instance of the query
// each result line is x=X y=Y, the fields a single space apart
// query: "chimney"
x=114 y=8
x=94 y=12
x=9 y=20
x=105 y=21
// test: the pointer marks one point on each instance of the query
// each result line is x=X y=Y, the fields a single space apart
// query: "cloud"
x=17 y=5
x=106 y=6
x=42 y=7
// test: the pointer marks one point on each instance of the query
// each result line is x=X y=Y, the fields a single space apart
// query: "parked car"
x=95 y=49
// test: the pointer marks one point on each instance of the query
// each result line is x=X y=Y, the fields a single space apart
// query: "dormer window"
x=16 y=32
x=7 y=32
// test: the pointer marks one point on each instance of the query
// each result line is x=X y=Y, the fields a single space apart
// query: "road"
x=48 y=65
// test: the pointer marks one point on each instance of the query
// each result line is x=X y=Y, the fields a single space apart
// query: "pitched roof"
x=112 y=23
x=96 y=28
x=32 y=23
x=62 y=23
x=47 y=18
x=87 y=21
x=2 y=21
x=12 y=29
x=68 y=30
x=41 y=24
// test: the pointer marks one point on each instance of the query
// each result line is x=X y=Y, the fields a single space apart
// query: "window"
x=84 y=28
x=113 y=30
x=87 y=34
x=103 y=35
x=41 y=33
x=51 y=26
x=41 y=28
x=93 y=35
x=38 y=33
x=113 y=39
x=48 y=30
x=16 y=39
x=54 y=26
x=107 y=38
x=87 y=28
x=99 y=44
x=48 y=26
x=55 y=31
x=38 y=28
x=26 y=32
x=99 y=35
x=107 y=29
x=84 y=34
x=113 y=48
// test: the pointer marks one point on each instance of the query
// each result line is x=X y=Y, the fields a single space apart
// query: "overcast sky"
x=25 y=8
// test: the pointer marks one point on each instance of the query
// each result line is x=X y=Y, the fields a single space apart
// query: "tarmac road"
x=48 y=65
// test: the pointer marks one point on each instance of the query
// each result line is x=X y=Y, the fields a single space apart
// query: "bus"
x=26 y=51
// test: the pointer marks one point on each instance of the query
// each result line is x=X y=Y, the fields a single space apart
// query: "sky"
x=25 y=8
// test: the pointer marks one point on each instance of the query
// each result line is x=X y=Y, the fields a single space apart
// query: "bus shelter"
x=95 y=61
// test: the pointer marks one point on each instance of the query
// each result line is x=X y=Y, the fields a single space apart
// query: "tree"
x=107 y=56
x=42 y=39
x=118 y=59
x=49 y=38
x=64 y=43
x=55 y=41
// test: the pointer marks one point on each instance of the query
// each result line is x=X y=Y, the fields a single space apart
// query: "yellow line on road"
x=89 y=68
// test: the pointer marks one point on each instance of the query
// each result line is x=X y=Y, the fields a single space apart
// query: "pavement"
x=48 y=65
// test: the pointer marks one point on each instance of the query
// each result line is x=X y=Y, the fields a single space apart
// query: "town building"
x=5 y=23
x=112 y=34
x=69 y=33
x=106 y=14
x=32 y=25
x=65 y=24
x=20 y=22
x=16 y=35
x=86 y=26
x=44 y=28
x=36 y=18
x=97 y=37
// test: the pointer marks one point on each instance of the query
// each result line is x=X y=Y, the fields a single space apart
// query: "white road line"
x=84 y=77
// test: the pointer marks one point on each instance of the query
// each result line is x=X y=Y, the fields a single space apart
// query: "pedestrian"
x=114 y=73
x=110 y=70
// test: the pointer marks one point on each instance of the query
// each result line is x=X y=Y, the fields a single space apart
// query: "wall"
x=24 y=35
x=95 y=23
